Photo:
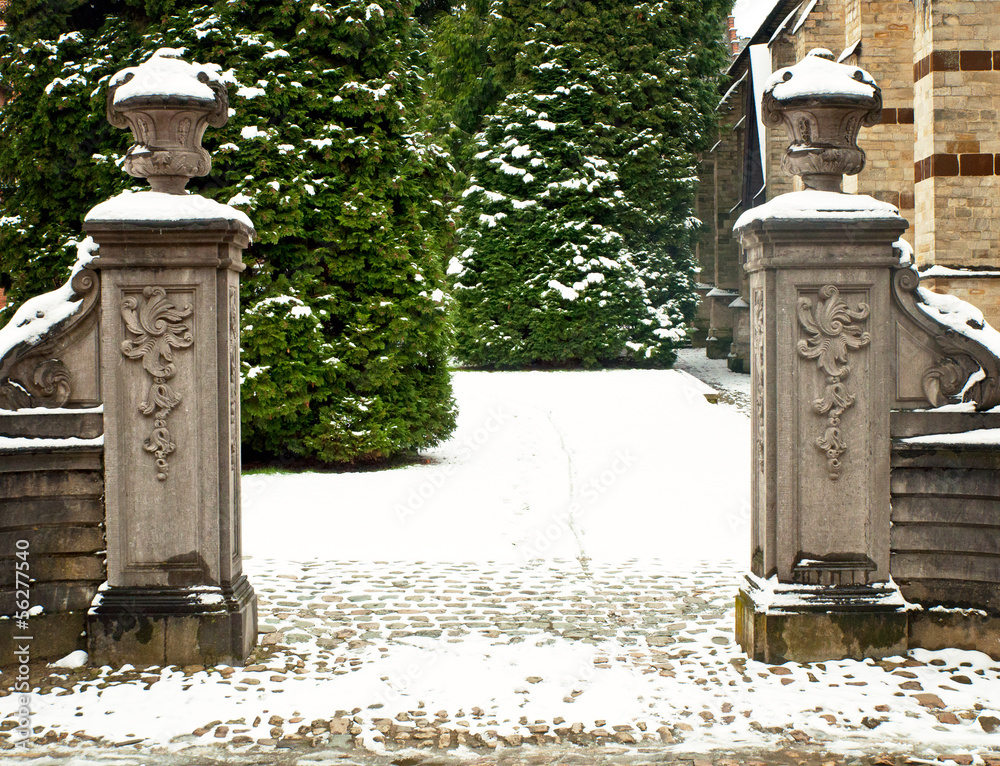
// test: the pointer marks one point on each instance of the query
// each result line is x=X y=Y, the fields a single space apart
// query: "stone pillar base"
x=201 y=625
x=739 y=358
x=698 y=336
x=798 y=623
x=718 y=343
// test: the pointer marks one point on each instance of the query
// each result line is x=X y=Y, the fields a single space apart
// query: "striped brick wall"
x=880 y=34
x=956 y=74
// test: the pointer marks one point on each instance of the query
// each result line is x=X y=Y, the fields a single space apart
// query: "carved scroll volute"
x=822 y=125
x=959 y=358
x=33 y=374
x=167 y=127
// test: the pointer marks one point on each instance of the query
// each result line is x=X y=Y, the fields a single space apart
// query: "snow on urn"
x=167 y=103
x=823 y=106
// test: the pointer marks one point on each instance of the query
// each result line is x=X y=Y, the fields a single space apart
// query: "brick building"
x=935 y=155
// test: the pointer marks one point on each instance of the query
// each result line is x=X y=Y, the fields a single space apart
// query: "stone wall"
x=704 y=249
x=723 y=275
x=822 y=28
x=51 y=496
x=956 y=103
x=778 y=181
x=945 y=540
x=879 y=36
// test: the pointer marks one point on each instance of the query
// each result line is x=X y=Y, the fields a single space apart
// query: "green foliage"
x=345 y=337
x=577 y=222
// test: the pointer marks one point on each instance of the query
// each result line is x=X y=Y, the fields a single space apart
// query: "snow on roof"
x=751 y=14
x=818 y=73
x=158 y=206
x=849 y=51
x=760 y=73
x=40 y=314
x=165 y=73
x=805 y=14
x=732 y=87
x=784 y=24
x=818 y=205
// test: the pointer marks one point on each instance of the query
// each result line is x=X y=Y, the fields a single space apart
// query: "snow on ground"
x=733 y=387
x=564 y=566
x=543 y=465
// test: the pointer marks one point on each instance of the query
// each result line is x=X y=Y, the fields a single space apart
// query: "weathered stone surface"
x=812 y=636
x=83 y=425
x=960 y=629
x=50 y=501
x=946 y=524
x=54 y=635
x=26 y=512
x=50 y=483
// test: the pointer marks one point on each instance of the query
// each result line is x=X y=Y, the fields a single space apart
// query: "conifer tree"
x=577 y=220
x=344 y=336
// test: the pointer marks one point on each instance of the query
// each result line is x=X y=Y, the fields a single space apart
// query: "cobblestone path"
x=504 y=662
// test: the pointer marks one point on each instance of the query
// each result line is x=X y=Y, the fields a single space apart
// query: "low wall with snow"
x=945 y=486
x=51 y=511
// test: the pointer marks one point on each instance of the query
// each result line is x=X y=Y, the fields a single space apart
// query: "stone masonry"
x=934 y=155
x=956 y=72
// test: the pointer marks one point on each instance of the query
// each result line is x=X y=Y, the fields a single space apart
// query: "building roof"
x=779 y=14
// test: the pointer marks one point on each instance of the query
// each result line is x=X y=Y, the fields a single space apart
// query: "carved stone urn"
x=167 y=103
x=823 y=106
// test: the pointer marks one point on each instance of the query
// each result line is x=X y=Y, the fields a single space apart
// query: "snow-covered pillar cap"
x=168 y=103
x=823 y=106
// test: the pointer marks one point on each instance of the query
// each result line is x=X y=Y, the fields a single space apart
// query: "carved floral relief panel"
x=831 y=331
x=154 y=328
x=757 y=374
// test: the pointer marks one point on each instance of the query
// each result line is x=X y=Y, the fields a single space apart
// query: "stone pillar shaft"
x=820 y=303
x=170 y=366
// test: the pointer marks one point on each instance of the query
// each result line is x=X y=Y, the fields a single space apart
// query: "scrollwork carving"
x=958 y=357
x=159 y=327
x=943 y=380
x=757 y=368
x=32 y=374
x=832 y=333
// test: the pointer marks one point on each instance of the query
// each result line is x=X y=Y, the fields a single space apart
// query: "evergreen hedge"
x=345 y=338
x=577 y=225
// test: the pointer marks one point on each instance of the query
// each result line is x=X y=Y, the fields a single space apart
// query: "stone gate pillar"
x=170 y=264
x=819 y=263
